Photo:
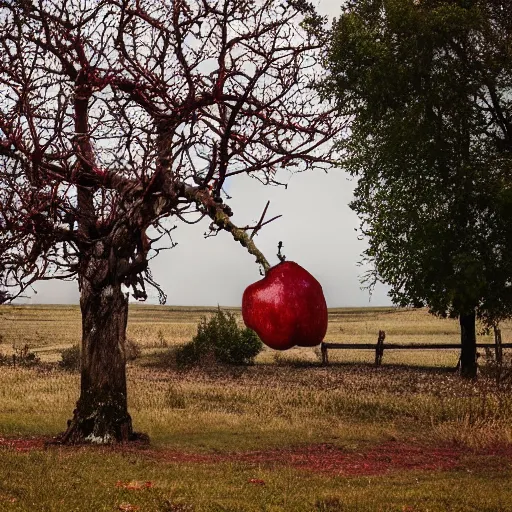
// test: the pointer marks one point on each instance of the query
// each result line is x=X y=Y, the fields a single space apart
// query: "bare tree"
x=117 y=114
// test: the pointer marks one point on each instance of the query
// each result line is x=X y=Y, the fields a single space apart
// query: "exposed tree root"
x=101 y=419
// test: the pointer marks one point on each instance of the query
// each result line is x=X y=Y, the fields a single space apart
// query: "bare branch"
x=117 y=114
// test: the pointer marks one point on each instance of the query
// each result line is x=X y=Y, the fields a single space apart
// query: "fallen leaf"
x=256 y=481
x=8 y=499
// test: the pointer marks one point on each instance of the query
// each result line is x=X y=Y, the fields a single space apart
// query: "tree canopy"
x=427 y=86
x=115 y=115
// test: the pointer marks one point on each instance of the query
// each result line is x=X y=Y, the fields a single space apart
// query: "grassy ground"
x=98 y=481
x=205 y=424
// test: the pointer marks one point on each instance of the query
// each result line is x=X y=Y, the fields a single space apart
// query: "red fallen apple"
x=286 y=308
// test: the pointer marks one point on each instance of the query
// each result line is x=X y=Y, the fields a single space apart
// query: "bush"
x=220 y=337
x=70 y=358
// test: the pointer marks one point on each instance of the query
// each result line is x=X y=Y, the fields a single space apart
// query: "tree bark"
x=101 y=414
x=468 y=366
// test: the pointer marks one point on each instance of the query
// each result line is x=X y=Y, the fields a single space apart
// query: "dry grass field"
x=49 y=329
x=283 y=435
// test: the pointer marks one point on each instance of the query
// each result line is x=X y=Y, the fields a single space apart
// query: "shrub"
x=220 y=337
x=70 y=358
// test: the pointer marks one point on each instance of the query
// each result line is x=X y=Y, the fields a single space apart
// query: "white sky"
x=317 y=228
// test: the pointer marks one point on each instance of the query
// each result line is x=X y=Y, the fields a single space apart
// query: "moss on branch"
x=221 y=219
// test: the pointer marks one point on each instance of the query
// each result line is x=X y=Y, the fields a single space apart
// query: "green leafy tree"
x=427 y=87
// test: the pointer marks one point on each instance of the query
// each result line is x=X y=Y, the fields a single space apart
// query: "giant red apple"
x=286 y=308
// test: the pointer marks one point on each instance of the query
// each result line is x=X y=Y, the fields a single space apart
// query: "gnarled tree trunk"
x=468 y=366
x=101 y=414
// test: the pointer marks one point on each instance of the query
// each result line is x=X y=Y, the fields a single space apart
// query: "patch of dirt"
x=376 y=460
x=320 y=458
x=23 y=444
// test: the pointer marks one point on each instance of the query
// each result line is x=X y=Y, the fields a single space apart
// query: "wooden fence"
x=379 y=347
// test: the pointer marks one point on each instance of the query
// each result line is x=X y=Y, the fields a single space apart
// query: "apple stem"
x=281 y=257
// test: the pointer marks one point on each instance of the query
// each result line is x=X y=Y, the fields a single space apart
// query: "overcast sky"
x=317 y=228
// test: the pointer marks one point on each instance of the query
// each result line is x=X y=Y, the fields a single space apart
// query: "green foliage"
x=426 y=87
x=220 y=337
x=70 y=358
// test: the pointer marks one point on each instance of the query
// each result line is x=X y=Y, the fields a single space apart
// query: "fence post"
x=498 y=345
x=379 y=348
x=325 y=358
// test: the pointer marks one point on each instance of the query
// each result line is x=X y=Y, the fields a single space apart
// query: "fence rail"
x=379 y=347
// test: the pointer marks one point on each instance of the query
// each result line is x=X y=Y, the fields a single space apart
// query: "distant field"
x=49 y=329
x=283 y=435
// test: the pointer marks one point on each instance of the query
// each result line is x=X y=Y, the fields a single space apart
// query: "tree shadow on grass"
x=165 y=360
x=442 y=370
